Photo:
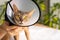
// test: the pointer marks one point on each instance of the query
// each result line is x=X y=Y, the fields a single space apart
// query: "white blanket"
x=41 y=33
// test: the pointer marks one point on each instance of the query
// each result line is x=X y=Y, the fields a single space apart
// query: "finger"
x=12 y=27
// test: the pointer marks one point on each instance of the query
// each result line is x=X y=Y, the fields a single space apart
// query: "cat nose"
x=21 y=20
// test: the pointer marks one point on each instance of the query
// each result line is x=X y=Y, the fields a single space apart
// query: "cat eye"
x=24 y=17
x=17 y=17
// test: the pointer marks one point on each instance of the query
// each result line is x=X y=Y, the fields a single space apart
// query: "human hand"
x=12 y=30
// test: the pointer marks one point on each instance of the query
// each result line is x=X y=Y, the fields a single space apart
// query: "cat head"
x=20 y=16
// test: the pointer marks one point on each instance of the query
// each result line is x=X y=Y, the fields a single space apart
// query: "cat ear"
x=31 y=12
x=15 y=9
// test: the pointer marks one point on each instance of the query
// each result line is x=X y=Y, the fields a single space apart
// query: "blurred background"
x=50 y=12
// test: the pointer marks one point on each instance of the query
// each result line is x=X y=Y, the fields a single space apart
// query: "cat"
x=21 y=17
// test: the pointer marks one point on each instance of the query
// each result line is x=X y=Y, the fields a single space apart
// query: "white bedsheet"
x=41 y=33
